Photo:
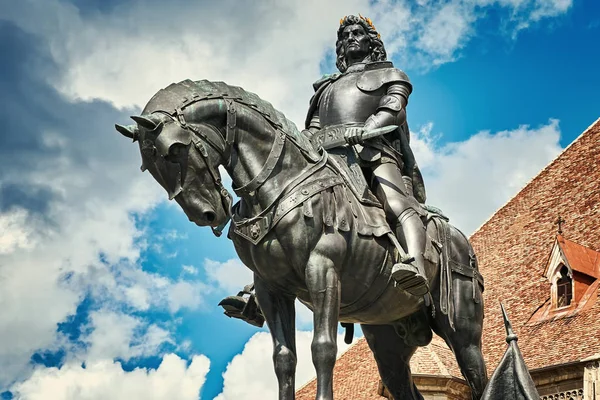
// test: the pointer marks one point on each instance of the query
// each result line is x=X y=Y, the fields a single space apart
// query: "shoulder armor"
x=380 y=73
x=324 y=79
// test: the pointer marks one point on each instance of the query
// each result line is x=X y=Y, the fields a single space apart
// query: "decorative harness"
x=221 y=145
x=253 y=229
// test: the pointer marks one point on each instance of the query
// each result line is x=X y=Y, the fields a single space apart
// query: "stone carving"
x=567 y=395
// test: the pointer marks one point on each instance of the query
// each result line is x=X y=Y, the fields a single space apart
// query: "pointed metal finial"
x=510 y=334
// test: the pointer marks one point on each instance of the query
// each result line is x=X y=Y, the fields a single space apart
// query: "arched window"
x=564 y=288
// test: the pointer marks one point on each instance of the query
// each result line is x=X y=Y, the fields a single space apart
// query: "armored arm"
x=313 y=126
x=392 y=107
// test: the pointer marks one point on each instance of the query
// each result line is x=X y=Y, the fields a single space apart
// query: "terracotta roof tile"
x=356 y=376
x=513 y=247
x=580 y=258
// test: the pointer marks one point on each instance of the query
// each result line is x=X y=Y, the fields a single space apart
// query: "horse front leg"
x=280 y=314
x=323 y=284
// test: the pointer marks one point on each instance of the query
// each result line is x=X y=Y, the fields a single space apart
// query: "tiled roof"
x=580 y=258
x=513 y=247
x=356 y=376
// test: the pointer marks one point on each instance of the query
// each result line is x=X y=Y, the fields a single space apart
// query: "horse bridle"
x=223 y=149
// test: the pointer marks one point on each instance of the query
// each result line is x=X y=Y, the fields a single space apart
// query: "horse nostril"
x=209 y=216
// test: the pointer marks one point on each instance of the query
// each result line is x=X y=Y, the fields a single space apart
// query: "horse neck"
x=253 y=142
x=254 y=138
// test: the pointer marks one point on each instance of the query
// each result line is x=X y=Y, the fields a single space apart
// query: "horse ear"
x=147 y=122
x=130 y=131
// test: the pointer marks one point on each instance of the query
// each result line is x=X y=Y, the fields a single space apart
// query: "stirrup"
x=408 y=278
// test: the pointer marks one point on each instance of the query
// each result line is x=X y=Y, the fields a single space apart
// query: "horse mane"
x=179 y=94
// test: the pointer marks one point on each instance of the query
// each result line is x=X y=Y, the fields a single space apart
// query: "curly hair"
x=377 y=50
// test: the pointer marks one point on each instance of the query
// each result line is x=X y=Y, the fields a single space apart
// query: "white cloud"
x=105 y=379
x=84 y=242
x=550 y=8
x=14 y=231
x=259 y=381
x=184 y=294
x=446 y=32
x=117 y=335
x=470 y=180
x=230 y=276
x=127 y=55
x=142 y=290
x=189 y=269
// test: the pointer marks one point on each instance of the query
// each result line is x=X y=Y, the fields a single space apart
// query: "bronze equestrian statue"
x=307 y=224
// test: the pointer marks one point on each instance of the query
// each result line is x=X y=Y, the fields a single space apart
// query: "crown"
x=366 y=20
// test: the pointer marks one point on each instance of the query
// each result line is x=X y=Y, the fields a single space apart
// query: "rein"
x=223 y=147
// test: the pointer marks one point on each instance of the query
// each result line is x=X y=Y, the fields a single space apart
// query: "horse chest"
x=270 y=259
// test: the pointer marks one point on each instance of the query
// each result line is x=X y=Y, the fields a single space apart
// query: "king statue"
x=367 y=94
x=370 y=93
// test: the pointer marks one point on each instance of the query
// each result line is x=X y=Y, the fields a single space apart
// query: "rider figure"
x=368 y=94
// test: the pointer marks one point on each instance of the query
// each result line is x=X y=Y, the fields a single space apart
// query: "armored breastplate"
x=344 y=103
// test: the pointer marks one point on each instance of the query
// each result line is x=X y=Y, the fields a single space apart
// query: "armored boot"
x=244 y=308
x=409 y=274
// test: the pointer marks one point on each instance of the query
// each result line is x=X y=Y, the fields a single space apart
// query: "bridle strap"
x=231 y=122
x=267 y=168
x=222 y=148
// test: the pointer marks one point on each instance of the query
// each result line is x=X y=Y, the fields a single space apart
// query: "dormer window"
x=573 y=272
x=564 y=288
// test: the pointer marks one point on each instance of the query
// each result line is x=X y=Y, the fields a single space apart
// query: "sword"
x=336 y=137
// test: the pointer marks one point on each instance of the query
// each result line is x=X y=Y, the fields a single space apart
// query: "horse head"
x=184 y=160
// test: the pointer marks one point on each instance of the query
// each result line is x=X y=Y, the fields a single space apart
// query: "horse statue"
x=306 y=233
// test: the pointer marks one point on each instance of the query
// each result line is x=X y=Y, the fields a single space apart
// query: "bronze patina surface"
x=345 y=230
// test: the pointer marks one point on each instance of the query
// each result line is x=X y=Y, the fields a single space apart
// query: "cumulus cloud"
x=125 y=55
x=189 y=269
x=469 y=180
x=259 y=382
x=118 y=335
x=446 y=31
x=230 y=276
x=15 y=233
x=105 y=379
x=70 y=188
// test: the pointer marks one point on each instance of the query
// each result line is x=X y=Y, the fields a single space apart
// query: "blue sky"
x=102 y=279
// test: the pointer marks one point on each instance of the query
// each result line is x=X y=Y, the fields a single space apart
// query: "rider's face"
x=356 y=42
